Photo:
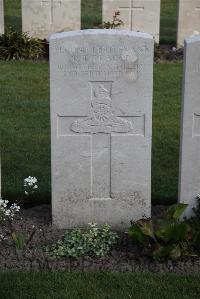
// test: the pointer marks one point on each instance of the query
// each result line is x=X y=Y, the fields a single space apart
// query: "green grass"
x=98 y=286
x=92 y=16
x=168 y=21
x=166 y=130
x=12 y=10
x=25 y=128
x=91 y=13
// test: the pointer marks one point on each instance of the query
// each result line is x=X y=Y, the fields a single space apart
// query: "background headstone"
x=137 y=15
x=40 y=18
x=101 y=122
x=1 y=17
x=188 y=20
x=189 y=177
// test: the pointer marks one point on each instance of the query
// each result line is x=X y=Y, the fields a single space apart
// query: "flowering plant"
x=7 y=212
x=30 y=185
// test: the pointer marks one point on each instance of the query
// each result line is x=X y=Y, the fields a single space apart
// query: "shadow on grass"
x=13 y=22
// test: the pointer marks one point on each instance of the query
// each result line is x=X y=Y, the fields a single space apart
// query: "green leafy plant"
x=195 y=224
x=116 y=22
x=19 y=239
x=167 y=237
x=93 y=241
x=16 y=45
x=196 y=210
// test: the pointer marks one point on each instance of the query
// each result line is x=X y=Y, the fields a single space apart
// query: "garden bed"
x=125 y=257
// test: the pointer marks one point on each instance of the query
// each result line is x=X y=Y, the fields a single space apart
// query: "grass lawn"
x=91 y=13
x=166 y=130
x=168 y=20
x=92 y=16
x=25 y=128
x=12 y=9
x=98 y=286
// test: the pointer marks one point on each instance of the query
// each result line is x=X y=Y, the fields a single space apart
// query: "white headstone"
x=40 y=18
x=189 y=177
x=137 y=15
x=188 y=20
x=101 y=118
x=1 y=17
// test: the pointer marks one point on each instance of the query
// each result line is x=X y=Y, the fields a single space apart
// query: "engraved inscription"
x=101 y=63
x=196 y=125
x=194 y=68
x=101 y=118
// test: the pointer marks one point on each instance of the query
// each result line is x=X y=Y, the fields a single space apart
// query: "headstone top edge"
x=74 y=33
x=192 y=39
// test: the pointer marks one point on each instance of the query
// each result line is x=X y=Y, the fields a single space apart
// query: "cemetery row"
x=40 y=18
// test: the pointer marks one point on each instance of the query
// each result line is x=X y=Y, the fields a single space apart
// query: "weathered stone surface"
x=40 y=18
x=1 y=17
x=189 y=177
x=188 y=20
x=101 y=117
x=137 y=15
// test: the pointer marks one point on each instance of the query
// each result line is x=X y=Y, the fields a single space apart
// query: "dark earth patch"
x=123 y=258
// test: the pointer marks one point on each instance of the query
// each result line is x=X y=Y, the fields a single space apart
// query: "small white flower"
x=7 y=213
x=2 y=238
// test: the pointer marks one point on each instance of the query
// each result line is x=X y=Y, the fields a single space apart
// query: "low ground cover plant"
x=16 y=45
x=195 y=225
x=93 y=241
x=165 y=237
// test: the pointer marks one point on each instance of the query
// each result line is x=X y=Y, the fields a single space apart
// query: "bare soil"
x=125 y=257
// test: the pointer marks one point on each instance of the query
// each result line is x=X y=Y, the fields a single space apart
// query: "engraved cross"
x=131 y=8
x=52 y=4
x=100 y=127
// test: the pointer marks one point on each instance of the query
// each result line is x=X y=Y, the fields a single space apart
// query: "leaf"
x=156 y=251
x=146 y=227
x=172 y=231
x=196 y=240
x=138 y=236
x=20 y=240
x=175 y=253
x=172 y=251
x=175 y=211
